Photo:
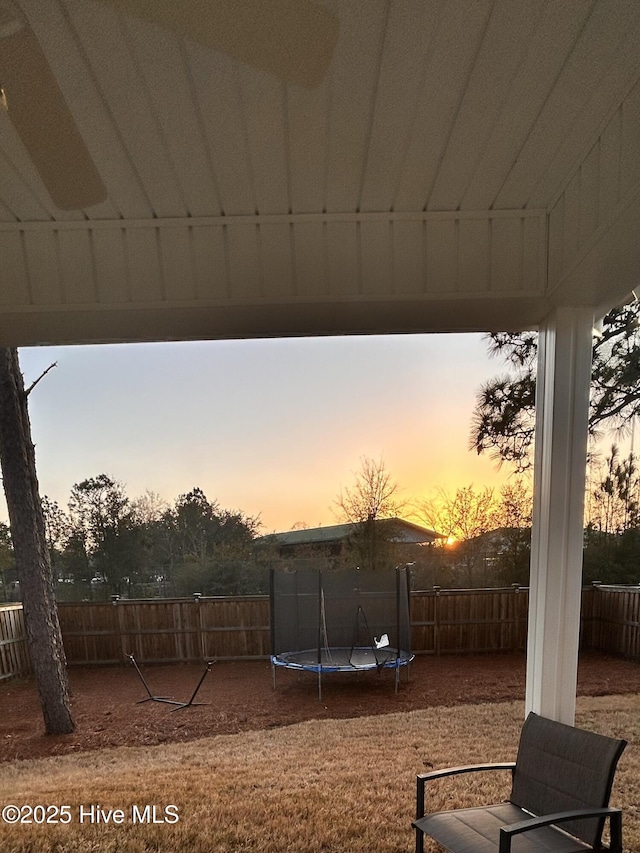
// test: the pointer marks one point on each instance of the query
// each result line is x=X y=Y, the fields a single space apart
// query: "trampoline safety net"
x=340 y=621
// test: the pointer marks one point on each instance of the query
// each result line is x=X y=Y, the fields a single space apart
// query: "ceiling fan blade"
x=42 y=119
x=291 y=39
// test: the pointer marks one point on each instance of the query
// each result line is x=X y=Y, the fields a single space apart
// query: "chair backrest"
x=560 y=767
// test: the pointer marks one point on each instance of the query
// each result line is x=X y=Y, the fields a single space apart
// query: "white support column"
x=562 y=412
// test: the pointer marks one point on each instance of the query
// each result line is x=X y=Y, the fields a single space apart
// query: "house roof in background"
x=395 y=529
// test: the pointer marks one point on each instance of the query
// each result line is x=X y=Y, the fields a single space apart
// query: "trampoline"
x=340 y=621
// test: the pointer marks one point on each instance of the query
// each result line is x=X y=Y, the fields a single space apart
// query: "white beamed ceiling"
x=465 y=165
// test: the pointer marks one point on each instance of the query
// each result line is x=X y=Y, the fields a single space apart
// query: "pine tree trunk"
x=17 y=457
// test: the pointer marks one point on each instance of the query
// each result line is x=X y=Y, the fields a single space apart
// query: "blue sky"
x=274 y=428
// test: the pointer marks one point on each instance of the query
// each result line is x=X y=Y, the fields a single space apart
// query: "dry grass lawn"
x=333 y=785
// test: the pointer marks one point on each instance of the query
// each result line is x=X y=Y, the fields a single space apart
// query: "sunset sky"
x=274 y=428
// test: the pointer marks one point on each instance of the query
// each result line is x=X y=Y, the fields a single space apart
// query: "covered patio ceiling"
x=459 y=165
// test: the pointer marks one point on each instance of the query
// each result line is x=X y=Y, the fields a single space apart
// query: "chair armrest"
x=423 y=778
x=614 y=815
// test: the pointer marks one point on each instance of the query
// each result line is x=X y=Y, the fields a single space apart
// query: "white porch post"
x=562 y=411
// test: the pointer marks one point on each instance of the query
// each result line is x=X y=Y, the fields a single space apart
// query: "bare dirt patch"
x=240 y=697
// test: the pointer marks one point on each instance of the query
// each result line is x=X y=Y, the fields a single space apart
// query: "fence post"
x=515 y=624
x=117 y=616
x=197 y=596
x=598 y=631
x=436 y=620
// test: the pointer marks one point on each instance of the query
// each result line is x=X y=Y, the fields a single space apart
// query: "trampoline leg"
x=319 y=685
x=397 y=677
x=273 y=674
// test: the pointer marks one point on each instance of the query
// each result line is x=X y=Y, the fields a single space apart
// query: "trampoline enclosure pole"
x=272 y=615
x=397 y=627
x=320 y=615
x=272 y=622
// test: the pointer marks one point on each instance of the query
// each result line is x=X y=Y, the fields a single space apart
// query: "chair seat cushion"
x=478 y=831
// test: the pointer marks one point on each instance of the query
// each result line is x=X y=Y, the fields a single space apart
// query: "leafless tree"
x=463 y=518
x=373 y=496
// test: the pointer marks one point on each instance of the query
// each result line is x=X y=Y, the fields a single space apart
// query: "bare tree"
x=373 y=496
x=463 y=518
x=149 y=508
x=17 y=456
x=513 y=517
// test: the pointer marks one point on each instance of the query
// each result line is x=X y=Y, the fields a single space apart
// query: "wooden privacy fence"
x=232 y=628
x=166 y=630
x=611 y=620
x=14 y=654
x=469 y=620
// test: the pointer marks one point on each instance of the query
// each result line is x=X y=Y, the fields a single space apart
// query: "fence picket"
x=14 y=655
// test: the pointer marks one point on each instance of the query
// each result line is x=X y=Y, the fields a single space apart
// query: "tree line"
x=484 y=534
x=489 y=531
x=106 y=543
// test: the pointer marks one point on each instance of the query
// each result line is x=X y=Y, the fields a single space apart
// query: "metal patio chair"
x=561 y=784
